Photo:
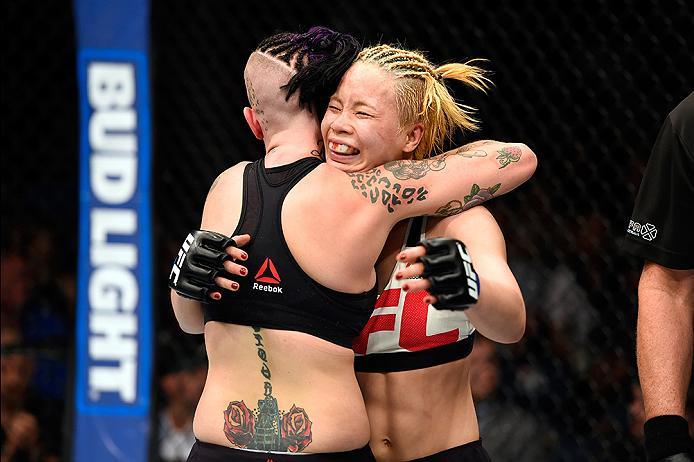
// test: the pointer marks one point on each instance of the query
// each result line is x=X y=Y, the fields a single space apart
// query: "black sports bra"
x=277 y=293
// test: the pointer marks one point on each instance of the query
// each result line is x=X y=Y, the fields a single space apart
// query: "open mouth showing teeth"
x=343 y=149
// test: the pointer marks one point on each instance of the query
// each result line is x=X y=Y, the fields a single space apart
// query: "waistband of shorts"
x=204 y=452
x=472 y=451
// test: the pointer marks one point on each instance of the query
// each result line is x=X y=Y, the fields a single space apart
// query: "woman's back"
x=269 y=384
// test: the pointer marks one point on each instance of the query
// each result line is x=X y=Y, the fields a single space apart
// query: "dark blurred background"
x=585 y=84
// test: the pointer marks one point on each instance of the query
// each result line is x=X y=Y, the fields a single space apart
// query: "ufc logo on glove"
x=178 y=263
x=470 y=273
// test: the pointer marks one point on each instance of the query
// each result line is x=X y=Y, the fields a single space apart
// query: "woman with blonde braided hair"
x=281 y=302
x=422 y=96
x=412 y=357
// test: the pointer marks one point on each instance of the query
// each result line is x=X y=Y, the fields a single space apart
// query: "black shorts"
x=207 y=452
x=469 y=452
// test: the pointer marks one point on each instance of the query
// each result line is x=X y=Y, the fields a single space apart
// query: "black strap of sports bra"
x=255 y=176
x=252 y=206
x=415 y=231
x=288 y=174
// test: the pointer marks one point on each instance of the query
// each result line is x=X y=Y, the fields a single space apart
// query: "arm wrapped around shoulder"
x=453 y=279
x=199 y=261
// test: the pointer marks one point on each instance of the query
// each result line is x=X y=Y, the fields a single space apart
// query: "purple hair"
x=320 y=57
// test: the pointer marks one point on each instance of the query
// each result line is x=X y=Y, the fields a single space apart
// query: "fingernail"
x=234 y=285
x=243 y=271
x=405 y=287
x=401 y=257
x=216 y=296
x=244 y=256
x=398 y=275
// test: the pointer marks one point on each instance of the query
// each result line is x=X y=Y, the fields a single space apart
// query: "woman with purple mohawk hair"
x=320 y=58
x=281 y=302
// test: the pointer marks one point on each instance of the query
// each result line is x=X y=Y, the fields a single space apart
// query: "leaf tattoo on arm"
x=477 y=196
x=507 y=155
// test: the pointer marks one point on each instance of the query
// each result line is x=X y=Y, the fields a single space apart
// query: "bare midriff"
x=305 y=374
x=419 y=413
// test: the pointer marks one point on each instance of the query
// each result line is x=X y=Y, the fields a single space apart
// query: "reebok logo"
x=267 y=273
x=647 y=231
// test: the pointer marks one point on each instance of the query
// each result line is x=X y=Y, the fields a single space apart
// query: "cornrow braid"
x=286 y=48
x=422 y=96
x=320 y=58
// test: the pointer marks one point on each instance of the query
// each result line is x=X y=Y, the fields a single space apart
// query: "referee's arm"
x=665 y=335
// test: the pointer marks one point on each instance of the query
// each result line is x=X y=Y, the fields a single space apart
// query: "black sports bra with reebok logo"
x=277 y=293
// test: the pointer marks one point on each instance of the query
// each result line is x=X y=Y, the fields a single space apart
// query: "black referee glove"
x=198 y=262
x=448 y=267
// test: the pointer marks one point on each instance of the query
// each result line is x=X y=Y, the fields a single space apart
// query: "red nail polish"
x=244 y=256
x=243 y=271
x=398 y=276
x=234 y=285
x=216 y=296
x=405 y=287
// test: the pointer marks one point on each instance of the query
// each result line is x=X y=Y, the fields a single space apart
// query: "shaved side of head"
x=265 y=77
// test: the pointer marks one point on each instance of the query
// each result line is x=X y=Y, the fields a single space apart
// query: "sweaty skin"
x=439 y=399
x=324 y=218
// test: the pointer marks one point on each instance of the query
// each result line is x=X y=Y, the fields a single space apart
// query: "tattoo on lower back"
x=267 y=427
x=508 y=155
x=377 y=187
x=477 y=196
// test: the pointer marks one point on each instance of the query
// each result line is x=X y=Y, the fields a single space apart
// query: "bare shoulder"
x=347 y=187
x=223 y=202
x=228 y=178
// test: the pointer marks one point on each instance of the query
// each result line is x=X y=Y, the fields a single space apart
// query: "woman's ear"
x=253 y=123
x=414 y=136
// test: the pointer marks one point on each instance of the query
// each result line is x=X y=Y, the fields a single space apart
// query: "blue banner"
x=114 y=318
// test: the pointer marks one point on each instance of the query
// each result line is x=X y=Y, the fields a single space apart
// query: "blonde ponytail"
x=422 y=96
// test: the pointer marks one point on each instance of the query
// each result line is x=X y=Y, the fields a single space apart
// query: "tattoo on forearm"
x=508 y=155
x=379 y=188
x=470 y=153
x=476 y=197
x=267 y=427
x=414 y=169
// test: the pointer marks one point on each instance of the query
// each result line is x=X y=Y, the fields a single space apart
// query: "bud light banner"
x=114 y=327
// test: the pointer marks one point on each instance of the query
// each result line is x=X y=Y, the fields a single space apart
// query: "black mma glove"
x=667 y=439
x=448 y=267
x=198 y=262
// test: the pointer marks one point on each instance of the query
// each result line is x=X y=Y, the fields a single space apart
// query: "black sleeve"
x=661 y=228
